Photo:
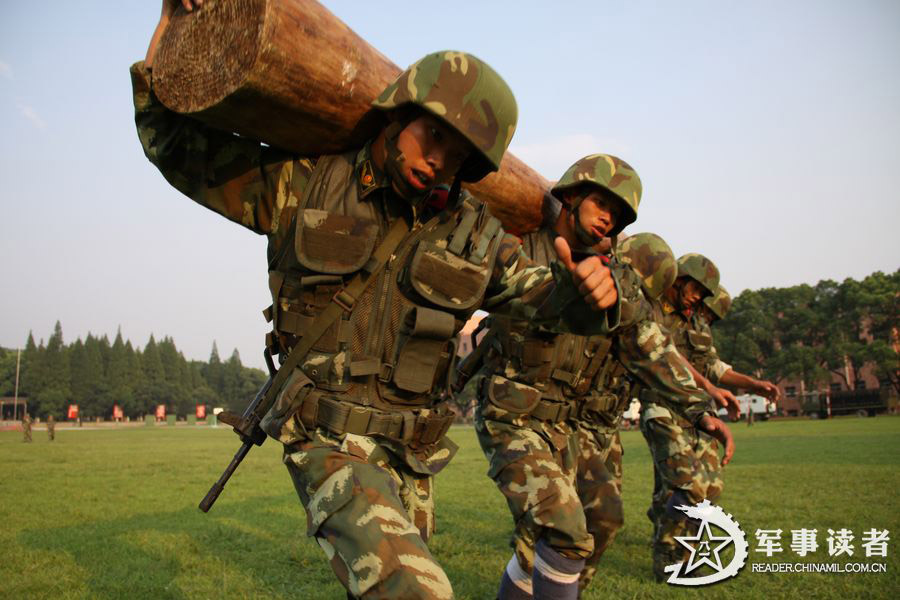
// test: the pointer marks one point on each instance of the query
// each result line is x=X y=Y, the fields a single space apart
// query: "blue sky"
x=767 y=135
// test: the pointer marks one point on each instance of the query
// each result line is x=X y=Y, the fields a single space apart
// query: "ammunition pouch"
x=422 y=343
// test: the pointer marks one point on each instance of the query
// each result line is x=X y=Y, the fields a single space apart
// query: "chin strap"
x=585 y=237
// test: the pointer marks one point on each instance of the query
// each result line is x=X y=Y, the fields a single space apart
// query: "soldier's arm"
x=241 y=179
x=647 y=351
x=548 y=297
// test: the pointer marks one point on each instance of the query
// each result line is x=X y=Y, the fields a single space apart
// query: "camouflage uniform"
x=684 y=458
x=26 y=428
x=549 y=406
x=363 y=418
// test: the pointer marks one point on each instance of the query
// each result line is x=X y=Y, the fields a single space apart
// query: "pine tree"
x=154 y=376
x=56 y=392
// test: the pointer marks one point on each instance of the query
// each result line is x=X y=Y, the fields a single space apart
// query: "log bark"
x=291 y=74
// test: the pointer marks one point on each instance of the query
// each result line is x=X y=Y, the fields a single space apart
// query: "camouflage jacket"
x=323 y=217
x=693 y=338
x=588 y=370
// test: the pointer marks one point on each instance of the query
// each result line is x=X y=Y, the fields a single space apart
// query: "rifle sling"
x=342 y=301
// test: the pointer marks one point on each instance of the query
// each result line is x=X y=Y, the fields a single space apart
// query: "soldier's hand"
x=168 y=9
x=594 y=280
x=725 y=399
x=719 y=430
x=768 y=389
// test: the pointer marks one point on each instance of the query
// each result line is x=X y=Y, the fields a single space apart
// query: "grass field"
x=112 y=514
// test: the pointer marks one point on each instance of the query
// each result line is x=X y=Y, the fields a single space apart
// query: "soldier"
x=51 y=428
x=26 y=428
x=687 y=469
x=538 y=391
x=713 y=309
x=357 y=246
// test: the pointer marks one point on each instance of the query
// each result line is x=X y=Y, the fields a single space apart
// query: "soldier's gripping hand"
x=725 y=399
x=168 y=9
x=594 y=280
x=768 y=389
x=719 y=430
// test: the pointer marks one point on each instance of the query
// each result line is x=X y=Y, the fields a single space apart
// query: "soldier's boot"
x=662 y=558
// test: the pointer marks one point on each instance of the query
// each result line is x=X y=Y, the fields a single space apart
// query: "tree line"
x=96 y=375
x=809 y=333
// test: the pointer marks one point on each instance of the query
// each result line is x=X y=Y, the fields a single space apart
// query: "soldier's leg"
x=538 y=482
x=672 y=445
x=359 y=513
x=599 y=483
x=708 y=453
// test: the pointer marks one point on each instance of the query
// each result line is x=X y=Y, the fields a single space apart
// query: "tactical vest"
x=553 y=377
x=688 y=336
x=390 y=355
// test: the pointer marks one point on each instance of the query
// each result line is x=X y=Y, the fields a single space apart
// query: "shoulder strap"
x=344 y=300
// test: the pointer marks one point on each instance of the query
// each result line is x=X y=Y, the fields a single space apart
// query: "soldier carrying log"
x=371 y=279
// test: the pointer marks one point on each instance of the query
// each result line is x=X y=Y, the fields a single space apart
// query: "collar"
x=668 y=307
x=368 y=177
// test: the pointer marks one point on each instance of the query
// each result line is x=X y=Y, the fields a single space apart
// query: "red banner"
x=201 y=411
x=160 y=411
x=73 y=411
x=117 y=412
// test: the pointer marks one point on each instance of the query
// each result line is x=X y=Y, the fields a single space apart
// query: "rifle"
x=247 y=428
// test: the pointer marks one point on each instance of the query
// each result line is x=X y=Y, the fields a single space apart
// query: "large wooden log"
x=291 y=74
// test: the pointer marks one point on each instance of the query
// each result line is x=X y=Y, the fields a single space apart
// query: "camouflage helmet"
x=700 y=268
x=652 y=259
x=720 y=303
x=468 y=95
x=609 y=173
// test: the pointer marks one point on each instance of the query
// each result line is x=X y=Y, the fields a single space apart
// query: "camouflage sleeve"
x=716 y=367
x=547 y=297
x=712 y=366
x=646 y=349
x=241 y=179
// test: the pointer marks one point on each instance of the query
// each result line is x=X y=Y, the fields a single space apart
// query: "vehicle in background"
x=864 y=403
x=761 y=407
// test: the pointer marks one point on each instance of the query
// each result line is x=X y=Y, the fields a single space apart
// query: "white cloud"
x=552 y=157
x=32 y=115
x=5 y=70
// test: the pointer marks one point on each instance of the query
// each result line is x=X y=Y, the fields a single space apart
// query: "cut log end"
x=216 y=48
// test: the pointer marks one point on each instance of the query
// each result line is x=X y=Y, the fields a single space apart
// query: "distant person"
x=26 y=428
x=750 y=414
x=51 y=428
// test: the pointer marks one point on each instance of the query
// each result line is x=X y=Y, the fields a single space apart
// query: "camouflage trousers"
x=370 y=513
x=534 y=468
x=599 y=486
x=684 y=459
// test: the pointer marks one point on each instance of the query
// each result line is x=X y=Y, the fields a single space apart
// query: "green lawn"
x=112 y=514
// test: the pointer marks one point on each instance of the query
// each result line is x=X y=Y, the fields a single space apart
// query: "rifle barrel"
x=219 y=485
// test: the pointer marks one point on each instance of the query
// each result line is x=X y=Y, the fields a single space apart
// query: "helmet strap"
x=584 y=237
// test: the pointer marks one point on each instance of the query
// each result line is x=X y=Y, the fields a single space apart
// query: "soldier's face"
x=691 y=292
x=598 y=214
x=432 y=152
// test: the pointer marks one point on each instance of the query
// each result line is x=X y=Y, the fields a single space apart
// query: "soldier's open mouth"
x=419 y=179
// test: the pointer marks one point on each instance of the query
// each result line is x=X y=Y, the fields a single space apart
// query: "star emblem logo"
x=704 y=547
